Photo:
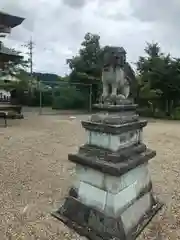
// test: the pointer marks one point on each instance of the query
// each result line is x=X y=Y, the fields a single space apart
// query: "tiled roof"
x=10 y=20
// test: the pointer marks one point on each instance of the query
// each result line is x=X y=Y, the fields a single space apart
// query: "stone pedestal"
x=112 y=196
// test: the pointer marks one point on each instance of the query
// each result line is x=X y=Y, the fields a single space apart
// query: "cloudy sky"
x=58 y=27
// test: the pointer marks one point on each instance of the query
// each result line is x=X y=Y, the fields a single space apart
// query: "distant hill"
x=47 y=78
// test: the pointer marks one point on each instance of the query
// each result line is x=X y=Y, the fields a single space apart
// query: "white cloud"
x=164 y=16
x=58 y=27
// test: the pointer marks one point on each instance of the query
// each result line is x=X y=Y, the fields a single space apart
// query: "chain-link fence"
x=57 y=96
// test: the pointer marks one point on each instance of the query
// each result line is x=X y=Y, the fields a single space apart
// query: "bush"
x=68 y=98
x=145 y=112
x=148 y=112
x=158 y=113
x=176 y=113
x=34 y=98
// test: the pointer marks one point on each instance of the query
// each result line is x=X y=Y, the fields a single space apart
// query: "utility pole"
x=31 y=56
x=30 y=46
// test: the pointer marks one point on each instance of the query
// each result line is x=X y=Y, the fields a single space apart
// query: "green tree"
x=89 y=58
x=160 y=77
x=86 y=67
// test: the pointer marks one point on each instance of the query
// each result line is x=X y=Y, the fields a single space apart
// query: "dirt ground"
x=35 y=176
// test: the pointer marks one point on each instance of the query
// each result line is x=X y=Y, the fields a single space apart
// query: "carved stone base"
x=95 y=225
x=123 y=107
x=115 y=100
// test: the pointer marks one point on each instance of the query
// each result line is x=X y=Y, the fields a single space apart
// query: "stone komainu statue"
x=118 y=77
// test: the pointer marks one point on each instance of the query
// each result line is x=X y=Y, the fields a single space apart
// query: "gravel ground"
x=35 y=176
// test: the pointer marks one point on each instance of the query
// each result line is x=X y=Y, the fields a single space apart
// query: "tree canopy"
x=86 y=66
x=159 y=78
x=88 y=61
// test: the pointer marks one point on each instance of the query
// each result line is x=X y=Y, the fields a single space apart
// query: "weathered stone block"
x=88 y=175
x=108 y=182
x=115 y=203
x=112 y=194
x=92 y=196
x=99 y=139
x=124 y=140
x=124 y=190
x=139 y=174
x=135 y=212
x=114 y=142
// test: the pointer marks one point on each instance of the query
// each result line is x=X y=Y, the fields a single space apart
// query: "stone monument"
x=112 y=195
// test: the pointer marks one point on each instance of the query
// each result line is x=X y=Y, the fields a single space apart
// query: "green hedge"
x=147 y=112
x=67 y=98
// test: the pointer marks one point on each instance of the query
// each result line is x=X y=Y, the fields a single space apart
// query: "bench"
x=4 y=114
